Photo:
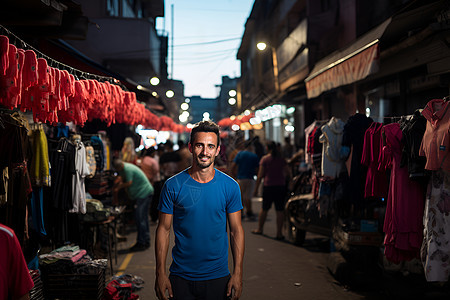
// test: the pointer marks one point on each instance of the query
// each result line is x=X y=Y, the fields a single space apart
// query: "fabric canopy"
x=346 y=66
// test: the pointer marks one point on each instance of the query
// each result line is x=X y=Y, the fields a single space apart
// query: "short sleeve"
x=234 y=202
x=19 y=275
x=165 y=200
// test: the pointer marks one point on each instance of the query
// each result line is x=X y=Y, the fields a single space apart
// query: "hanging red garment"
x=43 y=84
x=29 y=73
x=52 y=80
x=9 y=80
x=4 y=60
x=43 y=73
x=17 y=90
x=64 y=77
x=54 y=94
x=377 y=183
x=405 y=206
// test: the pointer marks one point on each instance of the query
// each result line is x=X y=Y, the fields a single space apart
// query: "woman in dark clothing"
x=274 y=170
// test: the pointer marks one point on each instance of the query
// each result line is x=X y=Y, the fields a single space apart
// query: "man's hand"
x=235 y=285
x=162 y=283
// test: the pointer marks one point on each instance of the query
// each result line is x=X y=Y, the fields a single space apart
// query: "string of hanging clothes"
x=19 y=43
x=53 y=92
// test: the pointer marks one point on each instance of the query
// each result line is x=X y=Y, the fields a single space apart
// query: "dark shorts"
x=274 y=194
x=214 y=289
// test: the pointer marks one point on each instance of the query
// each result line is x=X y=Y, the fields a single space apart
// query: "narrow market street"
x=272 y=269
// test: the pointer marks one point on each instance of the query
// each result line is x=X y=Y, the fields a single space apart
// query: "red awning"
x=346 y=66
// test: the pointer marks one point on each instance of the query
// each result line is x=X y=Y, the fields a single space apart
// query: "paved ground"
x=272 y=269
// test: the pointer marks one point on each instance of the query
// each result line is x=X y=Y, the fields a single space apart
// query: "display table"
x=109 y=225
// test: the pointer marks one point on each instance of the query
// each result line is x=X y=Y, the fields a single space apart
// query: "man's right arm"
x=162 y=282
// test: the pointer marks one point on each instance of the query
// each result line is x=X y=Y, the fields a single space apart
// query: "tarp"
x=346 y=66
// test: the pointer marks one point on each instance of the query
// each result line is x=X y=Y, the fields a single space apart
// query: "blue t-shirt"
x=247 y=163
x=200 y=223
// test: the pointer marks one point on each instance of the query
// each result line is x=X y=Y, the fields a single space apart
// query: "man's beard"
x=204 y=165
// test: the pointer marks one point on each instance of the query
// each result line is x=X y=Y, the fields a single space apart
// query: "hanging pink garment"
x=405 y=206
x=376 y=180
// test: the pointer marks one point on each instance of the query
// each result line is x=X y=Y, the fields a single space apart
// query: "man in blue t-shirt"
x=199 y=201
x=244 y=167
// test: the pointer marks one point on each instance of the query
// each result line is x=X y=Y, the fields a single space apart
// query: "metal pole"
x=171 y=51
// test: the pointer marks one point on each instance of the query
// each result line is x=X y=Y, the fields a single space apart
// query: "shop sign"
x=270 y=112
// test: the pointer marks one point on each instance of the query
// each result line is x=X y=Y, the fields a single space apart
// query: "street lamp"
x=170 y=94
x=154 y=80
x=232 y=101
x=261 y=47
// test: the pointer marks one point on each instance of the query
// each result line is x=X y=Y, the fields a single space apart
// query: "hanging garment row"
x=54 y=95
x=404 y=161
x=45 y=174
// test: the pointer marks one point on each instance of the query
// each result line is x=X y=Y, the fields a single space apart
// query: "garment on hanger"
x=376 y=180
x=413 y=131
x=98 y=146
x=436 y=141
x=353 y=138
x=37 y=210
x=14 y=154
x=62 y=158
x=308 y=131
x=78 y=186
x=331 y=138
x=90 y=159
x=404 y=208
x=40 y=164
x=435 y=253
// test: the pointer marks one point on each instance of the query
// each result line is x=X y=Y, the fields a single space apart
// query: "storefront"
x=54 y=172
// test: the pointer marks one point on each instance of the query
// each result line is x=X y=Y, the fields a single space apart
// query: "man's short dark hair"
x=117 y=164
x=205 y=126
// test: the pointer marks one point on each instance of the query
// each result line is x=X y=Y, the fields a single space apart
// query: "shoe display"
x=139 y=247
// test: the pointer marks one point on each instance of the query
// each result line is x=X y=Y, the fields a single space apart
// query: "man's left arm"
x=237 y=249
x=123 y=183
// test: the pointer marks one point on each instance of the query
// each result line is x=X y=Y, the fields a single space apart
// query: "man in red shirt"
x=15 y=279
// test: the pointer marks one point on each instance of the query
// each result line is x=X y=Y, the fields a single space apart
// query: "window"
x=112 y=8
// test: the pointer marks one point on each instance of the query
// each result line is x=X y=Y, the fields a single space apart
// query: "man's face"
x=204 y=149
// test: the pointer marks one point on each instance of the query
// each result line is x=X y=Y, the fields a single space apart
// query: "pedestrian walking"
x=141 y=191
x=200 y=201
x=244 y=168
x=274 y=170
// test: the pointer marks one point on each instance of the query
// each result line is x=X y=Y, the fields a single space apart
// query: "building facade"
x=337 y=58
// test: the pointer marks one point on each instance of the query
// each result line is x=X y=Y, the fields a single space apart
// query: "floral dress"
x=435 y=252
